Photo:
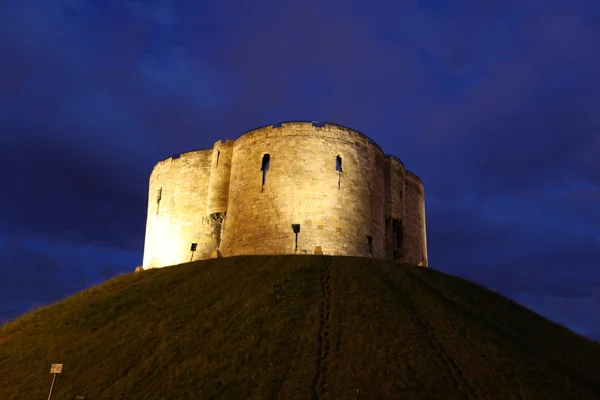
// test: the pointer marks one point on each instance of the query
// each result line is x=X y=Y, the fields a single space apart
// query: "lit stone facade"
x=289 y=188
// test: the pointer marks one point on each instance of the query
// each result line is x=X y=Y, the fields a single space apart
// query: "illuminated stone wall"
x=177 y=205
x=332 y=185
x=301 y=187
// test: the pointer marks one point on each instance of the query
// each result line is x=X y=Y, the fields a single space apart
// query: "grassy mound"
x=294 y=327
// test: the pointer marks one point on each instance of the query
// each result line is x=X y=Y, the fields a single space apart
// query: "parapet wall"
x=289 y=188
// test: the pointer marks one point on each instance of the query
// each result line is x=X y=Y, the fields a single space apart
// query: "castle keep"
x=288 y=188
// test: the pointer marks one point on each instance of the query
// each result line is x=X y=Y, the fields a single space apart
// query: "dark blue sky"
x=494 y=104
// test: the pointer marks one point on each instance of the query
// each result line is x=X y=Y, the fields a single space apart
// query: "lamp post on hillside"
x=296 y=229
x=193 y=249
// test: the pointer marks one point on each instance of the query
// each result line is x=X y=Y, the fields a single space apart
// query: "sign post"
x=296 y=229
x=55 y=369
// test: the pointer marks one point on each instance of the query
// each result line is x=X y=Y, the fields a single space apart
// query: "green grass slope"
x=294 y=327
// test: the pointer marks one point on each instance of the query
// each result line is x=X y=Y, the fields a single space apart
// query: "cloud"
x=67 y=192
x=77 y=139
x=34 y=279
x=41 y=271
x=100 y=66
x=159 y=12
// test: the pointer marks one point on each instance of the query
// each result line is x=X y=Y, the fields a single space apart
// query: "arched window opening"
x=266 y=162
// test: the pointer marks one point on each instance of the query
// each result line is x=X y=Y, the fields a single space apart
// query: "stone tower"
x=287 y=188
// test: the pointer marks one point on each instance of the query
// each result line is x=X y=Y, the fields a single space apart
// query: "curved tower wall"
x=376 y=185
x=177 y=204
x=220 y=171
x=415 y=238
x=395 y=200
x=394 y=207
x=301 y=187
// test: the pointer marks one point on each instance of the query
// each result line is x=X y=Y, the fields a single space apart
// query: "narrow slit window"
x=338 y=168
x=218 y=155
x=158 y=197
x=266 y=163
x=370 y=241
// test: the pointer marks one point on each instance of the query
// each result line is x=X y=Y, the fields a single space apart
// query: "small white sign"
x=56 y=368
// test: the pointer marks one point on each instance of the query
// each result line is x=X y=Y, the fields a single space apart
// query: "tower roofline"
x=414 y=176
x=321 y=124
x=279 y=124
x=177 y=155
x=395 y=158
